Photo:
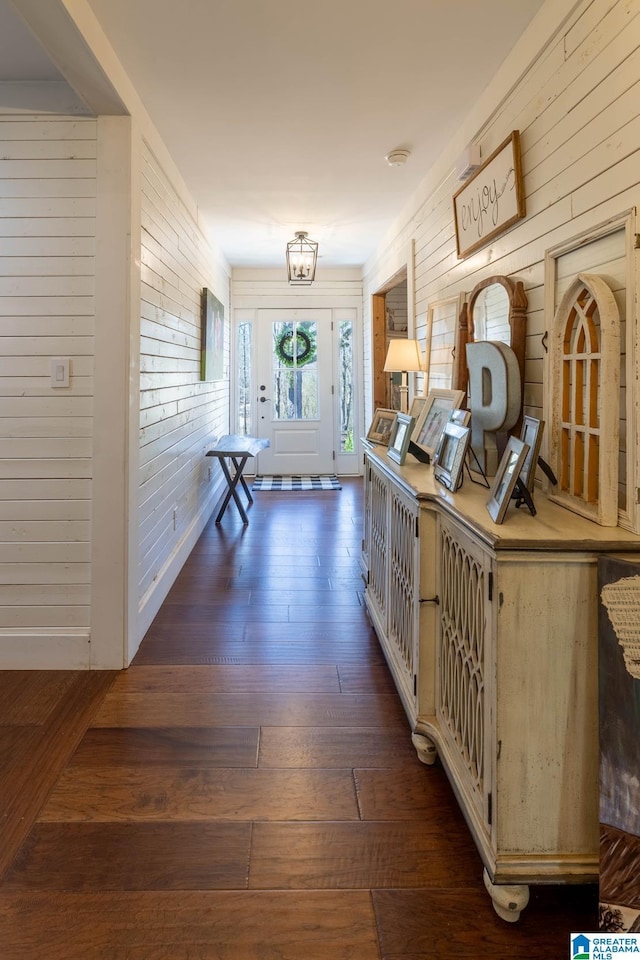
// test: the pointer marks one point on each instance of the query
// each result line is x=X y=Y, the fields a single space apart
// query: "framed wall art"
x=435 y=413
x=400 y=437
x=212 y=338
x=505 y=479
x=381 y=426
x=492 y=199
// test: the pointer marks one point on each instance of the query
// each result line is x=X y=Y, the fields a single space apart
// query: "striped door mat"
x=297 y=483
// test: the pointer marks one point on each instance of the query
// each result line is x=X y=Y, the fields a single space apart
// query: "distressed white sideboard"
x=490 y=633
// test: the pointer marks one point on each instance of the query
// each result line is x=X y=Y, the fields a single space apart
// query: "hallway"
x=247 y=790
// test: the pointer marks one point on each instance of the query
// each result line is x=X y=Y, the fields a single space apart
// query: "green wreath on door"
x=305 y=349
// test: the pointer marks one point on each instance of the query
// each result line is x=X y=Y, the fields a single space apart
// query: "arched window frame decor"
x=585 y=404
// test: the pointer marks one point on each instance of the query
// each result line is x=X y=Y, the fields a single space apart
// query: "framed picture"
x=212 y=338
x=492 y=199
x=400 y=437
x=505 y=479
x=435 y=413
x=531 y=433
x=381 y=426
x=461 y=417
x=416 y=406
x=443 y=321
x=449 y=457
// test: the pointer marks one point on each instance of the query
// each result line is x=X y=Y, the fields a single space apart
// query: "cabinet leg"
x=509 y=900
x=425 y=748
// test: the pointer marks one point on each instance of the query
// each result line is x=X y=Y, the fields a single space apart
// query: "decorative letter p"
x=494 y=397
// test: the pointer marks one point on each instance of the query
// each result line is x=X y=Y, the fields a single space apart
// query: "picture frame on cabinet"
x=400 y=437
x=461 y=417
x=504 y=482
x=417 y=405
x=381 y=426
x=449 y=458
x=531 y=433
x=435 y=413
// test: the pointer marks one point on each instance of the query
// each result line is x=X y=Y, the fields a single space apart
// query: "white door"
x=294 y=391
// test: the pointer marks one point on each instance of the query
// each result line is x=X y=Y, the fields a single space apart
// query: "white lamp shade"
x=403 y=355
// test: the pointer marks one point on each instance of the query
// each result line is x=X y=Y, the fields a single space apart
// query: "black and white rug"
x=297 y=483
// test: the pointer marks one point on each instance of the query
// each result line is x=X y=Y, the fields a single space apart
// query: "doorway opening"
x=296 y=386
x=390 y=319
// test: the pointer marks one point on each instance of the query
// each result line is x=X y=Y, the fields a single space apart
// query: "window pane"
x=245 y=391
x=345 y=366
x=295 y=371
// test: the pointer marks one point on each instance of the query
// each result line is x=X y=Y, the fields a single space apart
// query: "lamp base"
x=404 y=393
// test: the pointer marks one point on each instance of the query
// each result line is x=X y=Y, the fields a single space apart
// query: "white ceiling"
x=21 y=57
x=279 y=114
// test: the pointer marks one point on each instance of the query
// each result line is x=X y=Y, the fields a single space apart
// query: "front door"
x=294 y=391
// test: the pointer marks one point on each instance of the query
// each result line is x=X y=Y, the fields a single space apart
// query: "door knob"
x=263 y=399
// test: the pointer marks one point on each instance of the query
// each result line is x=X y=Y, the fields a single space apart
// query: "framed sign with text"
x=492 y=199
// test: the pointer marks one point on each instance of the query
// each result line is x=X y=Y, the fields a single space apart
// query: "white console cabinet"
x=491 y=636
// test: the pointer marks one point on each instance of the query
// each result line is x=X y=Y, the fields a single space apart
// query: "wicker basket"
x=622 y=600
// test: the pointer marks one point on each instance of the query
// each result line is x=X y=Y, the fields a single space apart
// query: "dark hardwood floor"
x=247 y=790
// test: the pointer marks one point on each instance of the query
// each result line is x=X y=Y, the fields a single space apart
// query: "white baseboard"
x=68 y=648
x=39 y=648
x=155 y=596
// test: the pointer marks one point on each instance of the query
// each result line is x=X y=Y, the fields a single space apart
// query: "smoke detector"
x=397 y=157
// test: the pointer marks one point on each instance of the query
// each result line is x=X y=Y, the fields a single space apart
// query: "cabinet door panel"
x=378 y=542
x=404 y=576
x=462 y=699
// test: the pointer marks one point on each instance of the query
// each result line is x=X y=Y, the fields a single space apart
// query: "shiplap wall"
x=578 y=112
x=268 y=288
x=180 y=415
x=47 y=247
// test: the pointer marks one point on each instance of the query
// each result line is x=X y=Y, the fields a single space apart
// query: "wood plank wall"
x=47 y=247
x=577 y=112
x=180 y=416
x=268 y=288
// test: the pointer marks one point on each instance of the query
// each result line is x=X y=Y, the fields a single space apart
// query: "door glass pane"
x=295 y=371
x=345 y=366
x=245 y=391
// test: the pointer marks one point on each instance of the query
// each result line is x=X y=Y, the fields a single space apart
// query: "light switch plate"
x=60 y=371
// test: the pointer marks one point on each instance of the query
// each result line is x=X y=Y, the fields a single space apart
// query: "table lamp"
x=403 y=355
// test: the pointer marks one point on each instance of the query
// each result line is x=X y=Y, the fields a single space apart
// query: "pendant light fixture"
x=302 y=256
